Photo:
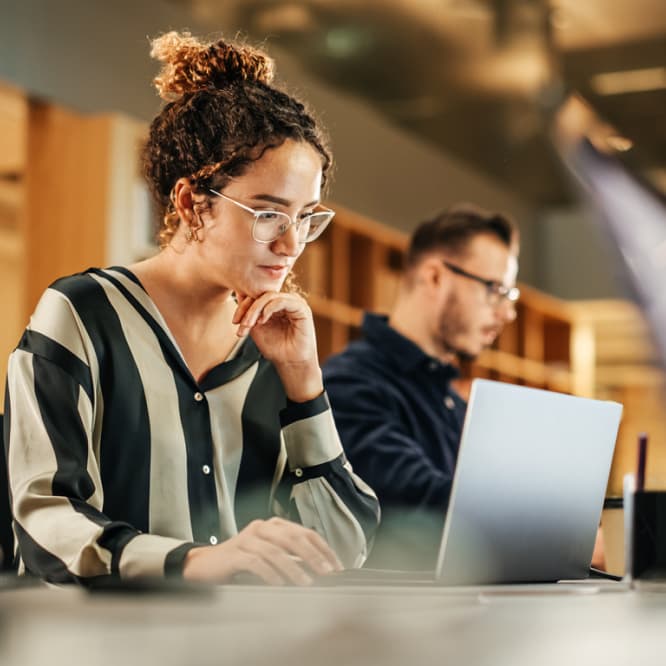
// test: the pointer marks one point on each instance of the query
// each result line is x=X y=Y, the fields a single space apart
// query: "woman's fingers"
x=277 y=551
x=262 y=553
x=244 y=304
x=251 y=312
x=291 y=307
x=304 y=543
x=255 y=564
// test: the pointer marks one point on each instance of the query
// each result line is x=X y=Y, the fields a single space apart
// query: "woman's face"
x=285 y=179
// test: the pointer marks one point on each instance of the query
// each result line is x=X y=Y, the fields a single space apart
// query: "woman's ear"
x=182 y=200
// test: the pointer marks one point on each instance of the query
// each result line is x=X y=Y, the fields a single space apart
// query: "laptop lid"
x=529 y=486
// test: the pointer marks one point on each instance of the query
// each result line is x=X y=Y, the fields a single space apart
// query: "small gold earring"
x=193 y=229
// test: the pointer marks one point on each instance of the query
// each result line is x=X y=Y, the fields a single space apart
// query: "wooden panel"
x=533 y=331
x=12 y=285
x=340 y=264
x=364 y=226
x=361 y=287
x=313 y=268
x=13 y=129
x=67 y=195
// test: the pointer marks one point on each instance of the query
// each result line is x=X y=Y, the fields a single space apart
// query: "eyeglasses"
x=496 y=292
x=269 y=225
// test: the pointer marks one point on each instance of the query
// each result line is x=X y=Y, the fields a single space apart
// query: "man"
x=398 y=415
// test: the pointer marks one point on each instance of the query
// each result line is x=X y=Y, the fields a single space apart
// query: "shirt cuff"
x=175 y=560
x=148 y=555
x=309 y=433
x=296 y=411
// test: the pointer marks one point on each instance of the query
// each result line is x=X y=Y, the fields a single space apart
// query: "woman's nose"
x=288 y=243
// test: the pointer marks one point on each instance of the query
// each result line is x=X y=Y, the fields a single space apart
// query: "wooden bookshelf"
x=354 y=266
x=590 y=348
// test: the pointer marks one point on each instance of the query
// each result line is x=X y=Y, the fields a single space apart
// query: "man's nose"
x=506 y=311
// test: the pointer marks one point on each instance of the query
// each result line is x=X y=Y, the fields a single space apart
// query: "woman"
x=162 y=416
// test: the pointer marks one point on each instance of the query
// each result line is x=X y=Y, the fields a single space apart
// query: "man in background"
x=399 y=417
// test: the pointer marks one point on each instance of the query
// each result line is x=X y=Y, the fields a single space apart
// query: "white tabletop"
x=563 y=625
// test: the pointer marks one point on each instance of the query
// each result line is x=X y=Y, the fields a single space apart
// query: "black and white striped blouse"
x=120 y=462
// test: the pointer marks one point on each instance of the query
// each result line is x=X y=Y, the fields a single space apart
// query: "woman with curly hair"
x=169 y=417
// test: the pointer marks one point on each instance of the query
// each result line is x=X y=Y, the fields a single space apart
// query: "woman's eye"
x=268 y=215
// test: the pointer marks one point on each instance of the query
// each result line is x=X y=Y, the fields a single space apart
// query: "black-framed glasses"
x=496 y=292
x=269 y=225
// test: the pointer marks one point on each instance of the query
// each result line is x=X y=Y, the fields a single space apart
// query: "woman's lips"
x=276 y=271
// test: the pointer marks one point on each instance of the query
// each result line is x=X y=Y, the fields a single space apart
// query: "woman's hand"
x=277 y=551
x=281 y=326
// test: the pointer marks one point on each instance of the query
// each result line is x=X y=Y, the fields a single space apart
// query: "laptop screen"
x=528 y=487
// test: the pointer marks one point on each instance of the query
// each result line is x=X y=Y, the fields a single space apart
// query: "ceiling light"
x=619 y=143
x=630 y=80
x=289 y=17
x=347 y=41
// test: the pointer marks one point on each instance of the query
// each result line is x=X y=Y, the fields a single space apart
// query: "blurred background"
x=427 y=102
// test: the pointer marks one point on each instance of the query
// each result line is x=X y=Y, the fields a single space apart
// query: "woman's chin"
x=258 y=288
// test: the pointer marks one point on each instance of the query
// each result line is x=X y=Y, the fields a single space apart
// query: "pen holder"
x=612 y=527
x=648 y=535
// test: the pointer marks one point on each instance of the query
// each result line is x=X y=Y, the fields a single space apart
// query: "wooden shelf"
x=590 y=348
x=525 y=371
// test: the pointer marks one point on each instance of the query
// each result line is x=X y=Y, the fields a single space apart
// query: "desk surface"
x=558 y=625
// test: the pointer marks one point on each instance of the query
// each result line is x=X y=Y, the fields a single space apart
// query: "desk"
x=606 y=624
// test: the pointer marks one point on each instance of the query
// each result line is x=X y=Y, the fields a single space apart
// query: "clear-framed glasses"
x=496 y=292
x=269 y=225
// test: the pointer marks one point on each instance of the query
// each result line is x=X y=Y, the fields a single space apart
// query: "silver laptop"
x=527 y=492
x=529 y=486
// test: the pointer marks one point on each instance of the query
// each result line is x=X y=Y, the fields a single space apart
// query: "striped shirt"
x=120 y=462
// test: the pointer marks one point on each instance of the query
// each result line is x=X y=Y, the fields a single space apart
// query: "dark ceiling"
x=480 y=78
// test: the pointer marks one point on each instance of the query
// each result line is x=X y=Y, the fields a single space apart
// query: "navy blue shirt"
x=399 y=419
x=400 y=422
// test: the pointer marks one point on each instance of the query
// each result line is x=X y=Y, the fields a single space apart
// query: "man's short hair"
x=453 y=228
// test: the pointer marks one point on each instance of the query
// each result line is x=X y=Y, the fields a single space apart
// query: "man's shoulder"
x=359 y=353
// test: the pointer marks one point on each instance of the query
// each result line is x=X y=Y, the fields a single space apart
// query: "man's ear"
x=430 y=273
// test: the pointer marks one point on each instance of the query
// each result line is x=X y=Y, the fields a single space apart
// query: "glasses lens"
x=317 y=223
x=497 y=293
x=269 y=225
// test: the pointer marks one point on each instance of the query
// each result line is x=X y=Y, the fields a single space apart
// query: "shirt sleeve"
x=383 y=452
x=325 y=493
x=55 y=485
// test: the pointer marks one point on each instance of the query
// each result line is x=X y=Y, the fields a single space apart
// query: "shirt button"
x=432 y=366
x=198 y=396
x=449 y=402
x=298 y=472
x=205 y=469
x=213 y=540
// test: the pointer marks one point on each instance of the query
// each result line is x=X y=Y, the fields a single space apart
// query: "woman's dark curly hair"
x=222 y=114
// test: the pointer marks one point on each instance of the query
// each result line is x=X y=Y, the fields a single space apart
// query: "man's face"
x=469 y=319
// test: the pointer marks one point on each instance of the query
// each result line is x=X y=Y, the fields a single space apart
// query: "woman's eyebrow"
x=279 y=200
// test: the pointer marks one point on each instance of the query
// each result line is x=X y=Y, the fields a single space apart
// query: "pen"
x=642 y=453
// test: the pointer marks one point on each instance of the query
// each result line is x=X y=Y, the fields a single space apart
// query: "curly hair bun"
x=191 y=65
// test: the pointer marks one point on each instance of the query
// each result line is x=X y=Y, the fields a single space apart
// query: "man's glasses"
x=496 y=292
x=269 y=225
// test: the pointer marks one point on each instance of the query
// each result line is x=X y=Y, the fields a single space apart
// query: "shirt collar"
x=407 y=355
